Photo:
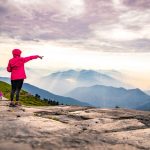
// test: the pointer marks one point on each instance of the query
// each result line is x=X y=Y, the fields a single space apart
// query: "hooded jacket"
x=16 y=65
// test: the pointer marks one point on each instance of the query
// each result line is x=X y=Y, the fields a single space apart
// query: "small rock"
x=23 y=110
x=84 y=128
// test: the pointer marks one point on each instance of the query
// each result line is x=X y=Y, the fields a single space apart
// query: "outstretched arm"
x=26 y=59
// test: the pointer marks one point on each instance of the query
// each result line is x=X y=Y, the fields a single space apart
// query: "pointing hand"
x=41 y=57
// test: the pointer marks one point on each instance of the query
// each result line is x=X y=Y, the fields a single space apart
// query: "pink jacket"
x=16 y=66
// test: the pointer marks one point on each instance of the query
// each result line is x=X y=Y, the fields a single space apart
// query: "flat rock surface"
x=73 y=127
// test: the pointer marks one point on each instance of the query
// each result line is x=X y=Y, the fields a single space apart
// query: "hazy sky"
x=90 y=34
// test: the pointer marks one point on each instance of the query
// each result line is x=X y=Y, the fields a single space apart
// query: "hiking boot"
x=12 y=104
x=17 y=103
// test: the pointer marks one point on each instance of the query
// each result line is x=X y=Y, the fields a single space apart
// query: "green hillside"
x=25 y=98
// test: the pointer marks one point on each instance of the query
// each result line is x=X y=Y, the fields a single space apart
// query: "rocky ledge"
x=73 y=127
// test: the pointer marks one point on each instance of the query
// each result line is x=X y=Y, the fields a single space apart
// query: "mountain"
x=63 y=82
x=107 y=96
x=113 y=73
x=147 y=92
x=45 y=94
x=144 y=107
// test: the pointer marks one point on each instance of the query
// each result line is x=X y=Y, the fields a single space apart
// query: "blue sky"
x=89 y=34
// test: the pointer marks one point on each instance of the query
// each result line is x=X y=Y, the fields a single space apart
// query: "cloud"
x=94 y=25
x=136 y=4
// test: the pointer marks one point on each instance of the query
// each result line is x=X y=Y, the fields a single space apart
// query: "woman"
x=16 y=67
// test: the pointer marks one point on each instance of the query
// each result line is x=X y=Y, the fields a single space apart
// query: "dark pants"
x=16 y=86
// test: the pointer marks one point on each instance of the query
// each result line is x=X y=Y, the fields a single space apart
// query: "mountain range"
x=108 y=96
x=88 y=87
x=63 y=82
